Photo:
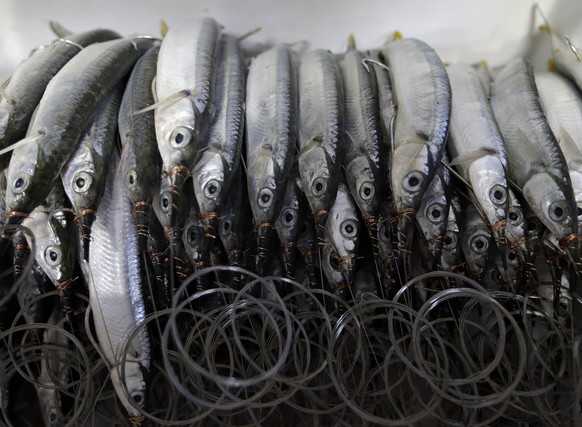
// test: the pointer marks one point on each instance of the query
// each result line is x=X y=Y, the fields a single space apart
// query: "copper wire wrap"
x=136 y=421
x=346 y=259
x=62 y=287
x=85 y=229
x=11 y=214
x=142 y=209
x=498 y=226
x=210 y=232
x=565 y=242
x=178 y=170
x=261 y=249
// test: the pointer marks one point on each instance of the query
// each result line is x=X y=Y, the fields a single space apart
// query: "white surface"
x=471 y=30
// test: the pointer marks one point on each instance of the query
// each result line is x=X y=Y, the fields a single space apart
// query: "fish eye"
x=367 y=191
x=52 y=256
x=288 y=217
x=512 y=257
x=479 y=244
x=413 y=181
x=132 y=178
x=579 y=209
x=533 y=225
x=558 y=210
x=226 y=226
x=138 y=397
x=20 y=183
x=384 y=233
x=52 y=417
x=514 y=216
x=498 y=194
x=212 y=189
x=436 y=213
x=349 y=228
x=192 y=235
x=82 y=182
x=450 y=240
x=180 y=137
x=166 y=202
x=318 y=187
x=334 y=261
x=265 y=198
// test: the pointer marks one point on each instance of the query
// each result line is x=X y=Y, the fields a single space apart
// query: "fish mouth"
x=84 y=221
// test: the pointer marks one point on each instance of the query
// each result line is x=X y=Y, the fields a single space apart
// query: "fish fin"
x=168 y=101
x=164 y=27
x=456 y=174
x=264 y=158
x=552 y=65
x=249 y=33
x=564 y=137
x=573 y=48
x=307 y=148
x=59 y=29
x=351 y=42
x=397 y=36
x=21 y=143
x=471 y=156
x=72 y=43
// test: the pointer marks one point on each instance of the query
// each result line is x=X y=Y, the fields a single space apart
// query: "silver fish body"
x=562 y=105
x=140 y=159
x=536 y=162
x=214 y=171
x=270 y=136
x=85 y=172
x=475 y=143
x=60 y=118
x=422 y=97
x=184 y=88
x=343 y=231
x=114 y=280
x=31 y=77
x=320 y=115
x=362 y=146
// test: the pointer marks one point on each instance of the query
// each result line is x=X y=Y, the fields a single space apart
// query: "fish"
x=343 y=231
x=307 y=244
x=536 y=163
x=37 y=308
x=140 y=159
x=452 y=256
x=289 y=222
x=320 y=126
x=271 y=133
x=221 y=153
x=476 y=240
x=331 y=266
x=562 y=104
x=476 y=146
x=363 y=158
x=84 y=173
x=28 y=82
x=184 y=87
x=62 y=114
x=422 y=97
x=113 y=276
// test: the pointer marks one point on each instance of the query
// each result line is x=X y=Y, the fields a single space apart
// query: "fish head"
x=193 y=237
x=23 y=189
x=265 y=192
x=487 y=179
x=330 y=264
x=170 y=202
x=179 y=138
x=33 y=285
x=552 y=202
x=134 y=183
x=476 y=242
x=210 y=187
x=410 y=175
x=131 y=387
x=50 y=404
x=290 y=216
x=320 y=180
x=432 y=215
x=79 y=180
x=364 y=185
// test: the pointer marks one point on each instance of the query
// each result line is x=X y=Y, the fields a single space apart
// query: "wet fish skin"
x=289 y=222
x=535 y=162
x=476 y=240
x=184 y=89
x=422 y=97
x=31 y=77
x=62 y=114
x=452 y=256
x=35 y=284
x=140 y=159
x=214 y=171
x=270 y=137
x=114 y=280
x=320 y=116
x=476 y=145
x=85 y=172
x=343 y=230
x=363 y=157
x=562 y=105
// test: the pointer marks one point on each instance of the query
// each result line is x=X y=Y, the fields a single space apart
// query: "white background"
x=470 y=31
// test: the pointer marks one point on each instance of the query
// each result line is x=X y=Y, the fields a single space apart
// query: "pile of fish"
x=194 y=236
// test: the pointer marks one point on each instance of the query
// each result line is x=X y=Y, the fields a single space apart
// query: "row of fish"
x=135 y=161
